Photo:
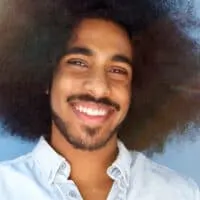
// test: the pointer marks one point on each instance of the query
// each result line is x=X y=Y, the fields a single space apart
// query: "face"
x=91 y=87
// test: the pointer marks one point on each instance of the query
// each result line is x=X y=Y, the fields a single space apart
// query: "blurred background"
x=164 y=119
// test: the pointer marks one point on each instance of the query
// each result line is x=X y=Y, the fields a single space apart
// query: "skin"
x=97 y=64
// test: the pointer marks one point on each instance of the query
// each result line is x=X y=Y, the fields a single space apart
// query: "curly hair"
x=27 y=67
x=29 y=59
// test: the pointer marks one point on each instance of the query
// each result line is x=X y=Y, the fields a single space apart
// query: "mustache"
x=85 y=97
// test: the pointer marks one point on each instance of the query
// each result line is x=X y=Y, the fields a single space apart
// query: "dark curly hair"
x=27 y=67
x=29 y=53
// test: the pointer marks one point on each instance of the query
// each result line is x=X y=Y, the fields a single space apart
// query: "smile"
x=92 y=113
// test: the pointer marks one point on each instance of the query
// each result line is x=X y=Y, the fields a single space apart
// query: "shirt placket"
x=69 y=191
x=67 y=188
x=119 y=189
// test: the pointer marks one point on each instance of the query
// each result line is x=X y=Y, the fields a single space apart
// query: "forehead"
x=102 y=35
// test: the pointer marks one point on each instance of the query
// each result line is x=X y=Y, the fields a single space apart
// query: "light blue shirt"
x=44 y=175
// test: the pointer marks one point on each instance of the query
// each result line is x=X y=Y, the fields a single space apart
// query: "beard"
x=79 y=143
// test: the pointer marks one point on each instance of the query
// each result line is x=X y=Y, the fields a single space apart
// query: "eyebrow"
x=88 y=52
x=123 y=59
x=79 y=50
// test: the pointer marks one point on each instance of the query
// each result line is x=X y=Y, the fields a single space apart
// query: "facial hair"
x=78 y=143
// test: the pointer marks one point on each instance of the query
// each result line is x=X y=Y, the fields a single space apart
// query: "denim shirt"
x=44 y=175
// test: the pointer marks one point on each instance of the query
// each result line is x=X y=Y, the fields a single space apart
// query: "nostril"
x=97 y=87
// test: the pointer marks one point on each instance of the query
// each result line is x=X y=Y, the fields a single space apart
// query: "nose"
x=97 y=85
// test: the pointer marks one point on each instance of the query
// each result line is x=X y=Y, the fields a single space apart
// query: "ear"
x=48 y=88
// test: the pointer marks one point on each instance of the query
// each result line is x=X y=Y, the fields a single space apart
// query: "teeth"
x=84 y=110
x=80 y=109
x=90 y=111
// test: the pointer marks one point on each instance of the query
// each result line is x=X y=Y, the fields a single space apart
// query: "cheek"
x=64 y=84
x=125 y=98
x=123 y=95
x=62 y=87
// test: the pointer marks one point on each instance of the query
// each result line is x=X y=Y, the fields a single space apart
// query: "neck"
x=93 y=164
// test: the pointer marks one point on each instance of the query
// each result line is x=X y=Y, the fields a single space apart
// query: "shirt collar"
x=50 y=162
x=121 y=167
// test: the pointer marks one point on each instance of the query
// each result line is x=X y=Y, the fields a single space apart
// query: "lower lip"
x=91 y=120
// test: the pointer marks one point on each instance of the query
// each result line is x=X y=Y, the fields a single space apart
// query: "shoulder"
x=21 y=177
x=18 y=177
x=16 y=163
x=20 y=168
x=153 y=175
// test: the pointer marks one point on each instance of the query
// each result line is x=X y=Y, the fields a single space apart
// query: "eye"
x=77 y=62
x=118 y=71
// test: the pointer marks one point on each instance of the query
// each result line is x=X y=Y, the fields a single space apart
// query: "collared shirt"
x=44 y=175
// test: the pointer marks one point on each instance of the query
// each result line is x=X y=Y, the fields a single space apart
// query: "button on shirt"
x=44 y=175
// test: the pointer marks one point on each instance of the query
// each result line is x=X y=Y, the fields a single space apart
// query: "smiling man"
x=90 y=93
x=81 y=157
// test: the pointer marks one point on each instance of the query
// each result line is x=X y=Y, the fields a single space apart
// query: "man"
x=81 y=157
